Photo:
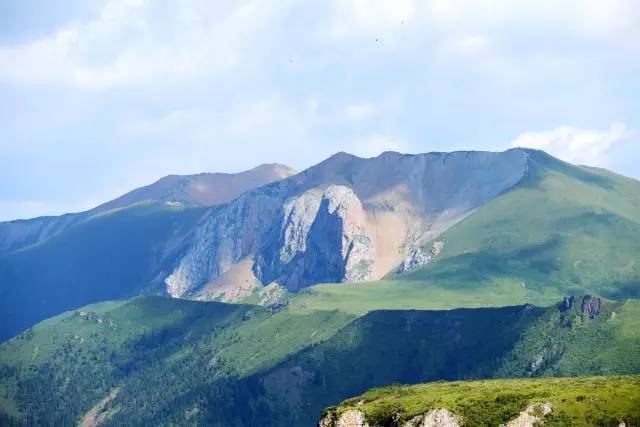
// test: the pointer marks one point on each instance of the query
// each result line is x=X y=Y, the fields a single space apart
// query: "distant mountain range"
x=519 y=220
x=204 y=189
x=263 y=297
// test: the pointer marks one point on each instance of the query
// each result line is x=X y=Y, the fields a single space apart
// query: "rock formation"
x=533 y=415
x=591 y=306
x=346 y=219
x=350 y=418
x=435 y=418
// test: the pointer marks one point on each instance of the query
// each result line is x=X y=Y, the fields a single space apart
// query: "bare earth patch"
x=97 y=415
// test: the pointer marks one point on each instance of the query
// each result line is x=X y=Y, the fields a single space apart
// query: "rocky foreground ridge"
x=585 y=401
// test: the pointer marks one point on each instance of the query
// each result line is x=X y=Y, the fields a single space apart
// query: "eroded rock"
x=533 y=415
x=418 y=256
x=435 y=418
x=346 y=219
x=351 y=418
x=323 y=238
x=591 y=306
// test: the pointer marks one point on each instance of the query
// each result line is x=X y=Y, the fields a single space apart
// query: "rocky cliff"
x=347 y=219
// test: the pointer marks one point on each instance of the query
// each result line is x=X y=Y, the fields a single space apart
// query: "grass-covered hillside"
x=116 y=254
x=562 y=230
x=586 y=401
x=155 y=360
x=571 y=229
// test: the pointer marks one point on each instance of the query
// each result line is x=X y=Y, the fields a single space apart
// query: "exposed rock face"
x=533 y=415
x=226 y=235
x=591 y=306
x=435 y=418
x=418 y=256
x=323 y=238
x=272 y=294
x=98 y=415
x=350 y=418
x=298 y=216
x=545 y=357
x=346 y=219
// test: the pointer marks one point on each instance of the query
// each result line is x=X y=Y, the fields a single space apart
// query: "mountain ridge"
x=457 y=221
x=230 y=364
x=212 y=188
x=405 y=202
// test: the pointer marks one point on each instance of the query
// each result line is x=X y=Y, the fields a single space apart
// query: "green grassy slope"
x=152 y=349
x=573 y=229
x=221 y=364
x=113 y=255
x=587 y=401
x=386 y=347
x=563 y=230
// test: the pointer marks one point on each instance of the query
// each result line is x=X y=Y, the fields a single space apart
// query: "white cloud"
x=466 y=45
x=134 y=41
x=358 y=18
x=360 y=111
x=248 y=131
x=582 y=146
x=500 y=34
x=375 y=19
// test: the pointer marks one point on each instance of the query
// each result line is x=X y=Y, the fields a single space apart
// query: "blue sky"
x=99 y=97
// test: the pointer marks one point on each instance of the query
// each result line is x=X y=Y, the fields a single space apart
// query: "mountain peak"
x=203 y=189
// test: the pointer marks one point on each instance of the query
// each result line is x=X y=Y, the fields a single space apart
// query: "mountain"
x=561 y=230
x=355 y=273
x=203 y=189
x=155 y=360
x=115 y=250
x=591 y=401
x=116 y=254
x=521 y=221
x=435 y=230
x=346 y=219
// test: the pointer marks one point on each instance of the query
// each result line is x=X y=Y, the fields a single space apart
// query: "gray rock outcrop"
x=591 y=306
x=435 y=418
x=533 y=415
x=323 y=238
x=350 y=418
x=418 y=256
